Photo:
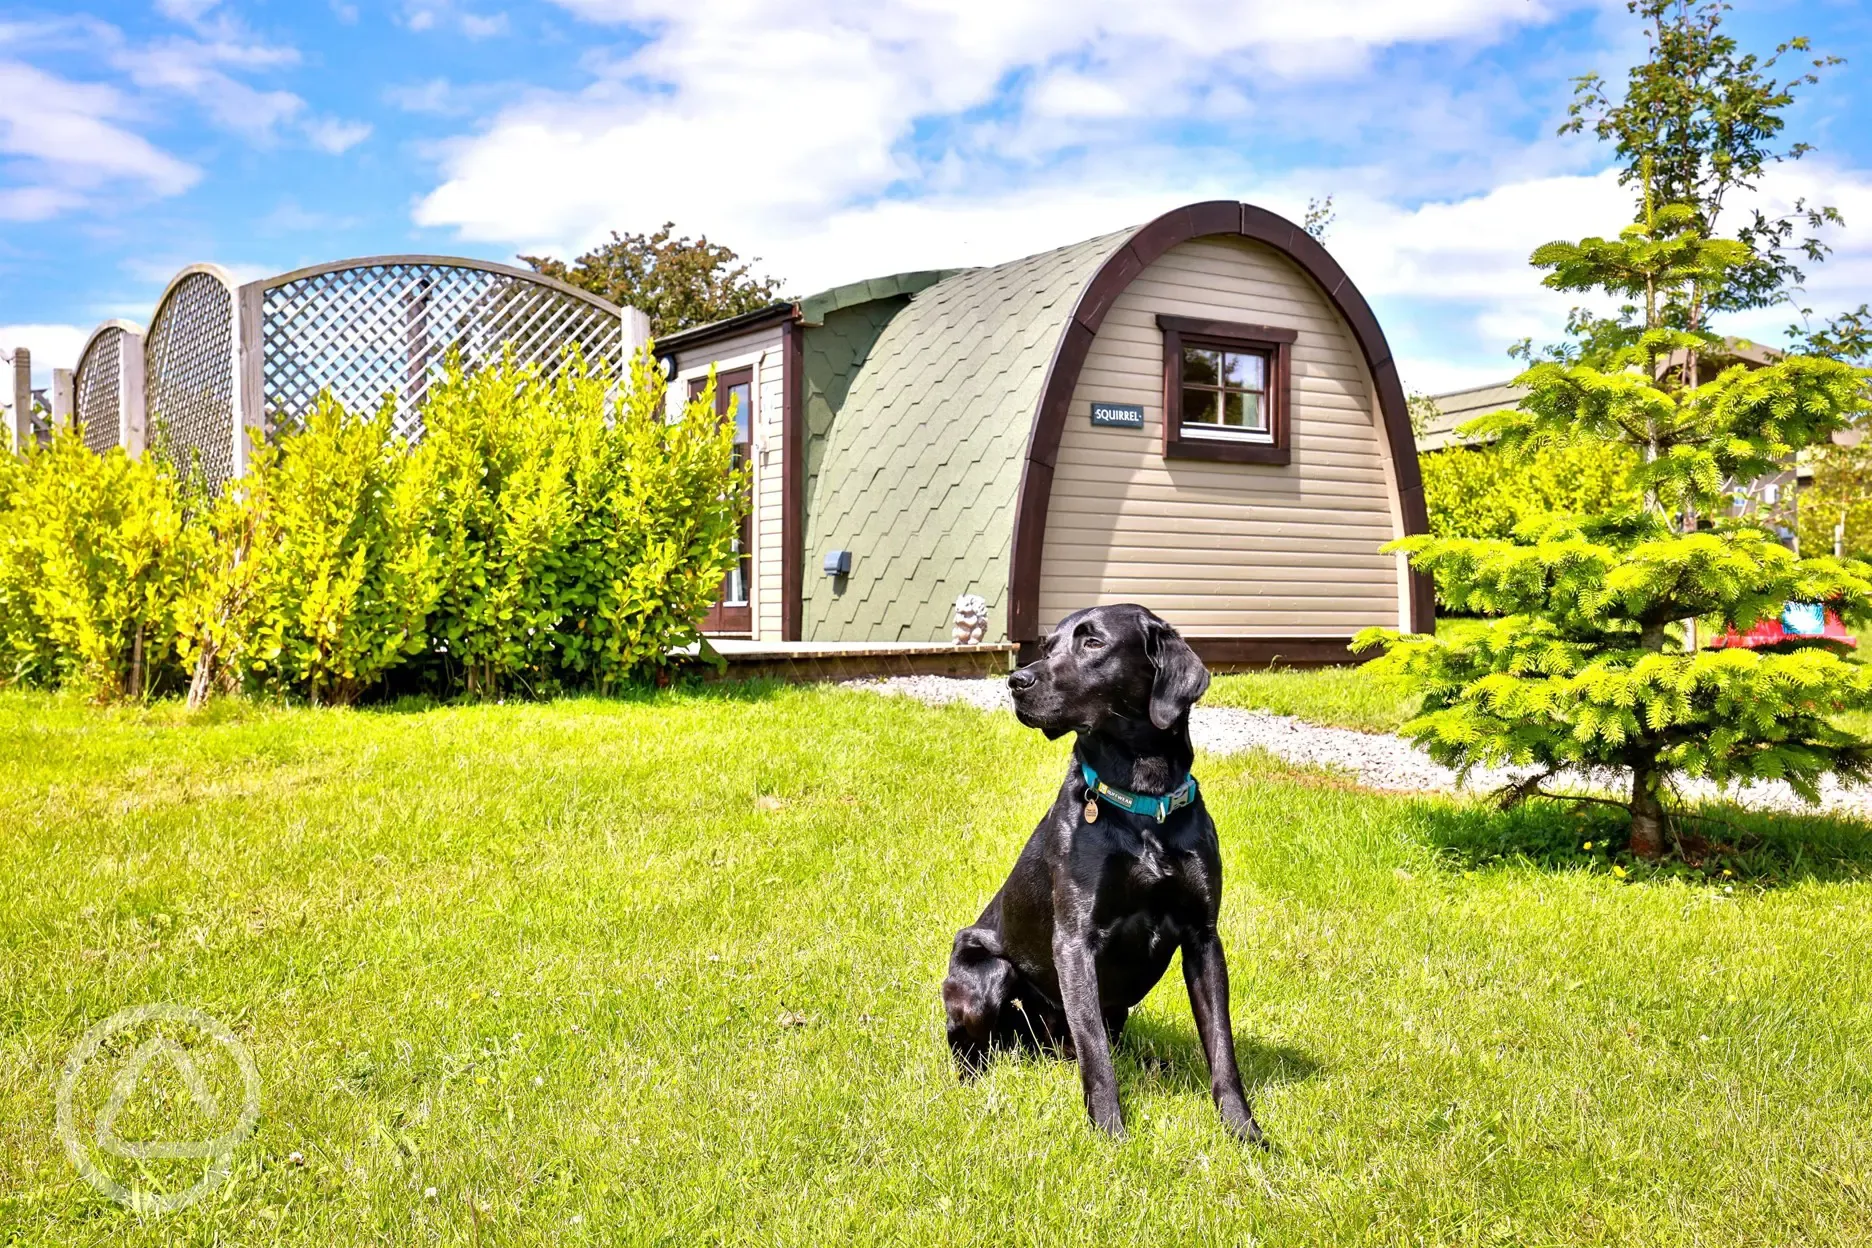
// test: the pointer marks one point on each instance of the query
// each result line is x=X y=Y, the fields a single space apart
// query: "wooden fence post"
x=64 y=401
x=636 y=335
x=132 y=426
x=249 y=349
x=20 y=428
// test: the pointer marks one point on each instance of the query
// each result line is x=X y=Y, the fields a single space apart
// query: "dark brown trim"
x=1227 y=654
x=723 y=619
x=1269 y=340
x=702 y=335
x=1191 y=327
x=792 y=478
x=858 y=661
x=1142 y=249
x=1230 y=653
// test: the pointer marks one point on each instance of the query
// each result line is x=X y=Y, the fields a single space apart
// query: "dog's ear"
x=1181 y=677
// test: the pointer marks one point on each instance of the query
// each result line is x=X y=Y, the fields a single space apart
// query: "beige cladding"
x=1225 y=549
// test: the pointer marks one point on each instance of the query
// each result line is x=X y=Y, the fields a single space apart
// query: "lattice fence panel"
x=99 y=392
x=382 y=330
x=188 y=377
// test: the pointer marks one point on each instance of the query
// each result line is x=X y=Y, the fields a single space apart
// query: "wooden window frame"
x=737 y=619
x=1270 y=340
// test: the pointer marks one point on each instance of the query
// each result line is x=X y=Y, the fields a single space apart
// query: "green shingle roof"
x=920 y=463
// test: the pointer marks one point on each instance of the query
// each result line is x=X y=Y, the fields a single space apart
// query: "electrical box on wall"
x=838 y=563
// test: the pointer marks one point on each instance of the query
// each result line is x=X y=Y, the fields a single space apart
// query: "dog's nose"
x=1021 y=678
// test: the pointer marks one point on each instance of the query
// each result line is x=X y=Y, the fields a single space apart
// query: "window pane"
x=1245 y=369
x=1199 y=407
x=741 y=399
x=1244 y=411
x=1201 y=366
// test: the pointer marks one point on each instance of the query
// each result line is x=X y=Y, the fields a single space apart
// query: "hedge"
x=1481 y=492
x=543 y=534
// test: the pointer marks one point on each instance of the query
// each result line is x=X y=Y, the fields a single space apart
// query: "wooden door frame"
x=723 y=619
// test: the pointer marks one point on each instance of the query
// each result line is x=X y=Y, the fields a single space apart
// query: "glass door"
x=733 y=614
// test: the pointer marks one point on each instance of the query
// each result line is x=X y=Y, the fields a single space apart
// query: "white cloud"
x=1454 y=287
x=426 y=15
x=194 y=69
x=52 y=346
x=74 y=143
x=1472 y=248
x=190 y=11
x=329 y=134
x=476 y=26
x=885 y=100
x=71 y=141
x=856 y=137
x=436 y=96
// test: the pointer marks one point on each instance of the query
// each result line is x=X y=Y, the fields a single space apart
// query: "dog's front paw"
x=1111 y=1122
x=1242 y=1123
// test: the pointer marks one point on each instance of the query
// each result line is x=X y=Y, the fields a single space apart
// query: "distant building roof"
x=1459 y=407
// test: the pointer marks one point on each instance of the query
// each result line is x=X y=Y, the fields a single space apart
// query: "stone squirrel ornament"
x=971 y=620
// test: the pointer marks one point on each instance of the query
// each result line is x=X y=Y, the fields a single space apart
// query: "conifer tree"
x=1584 y=661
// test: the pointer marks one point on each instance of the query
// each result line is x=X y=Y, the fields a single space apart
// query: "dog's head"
x=1106 y=664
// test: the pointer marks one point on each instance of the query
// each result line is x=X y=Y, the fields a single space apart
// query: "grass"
x=1343 y=697
x=664 y=971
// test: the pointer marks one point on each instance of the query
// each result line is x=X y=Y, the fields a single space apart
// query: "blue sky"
x=844 y=139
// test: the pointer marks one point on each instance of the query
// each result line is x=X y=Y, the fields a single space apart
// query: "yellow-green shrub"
x=344 y=552
x=95 y=559
x=575 y=549
x=659 y=503
x=1479 y=492
x=541 y=535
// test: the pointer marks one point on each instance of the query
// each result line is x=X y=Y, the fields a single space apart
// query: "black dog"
x=1114 y=880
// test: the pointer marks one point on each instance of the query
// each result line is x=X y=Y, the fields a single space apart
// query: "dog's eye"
x=1093 y=643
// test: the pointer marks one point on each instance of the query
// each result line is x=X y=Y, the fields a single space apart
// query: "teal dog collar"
x=1136 y=803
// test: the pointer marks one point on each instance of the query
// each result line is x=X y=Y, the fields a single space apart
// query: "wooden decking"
x=835 y=660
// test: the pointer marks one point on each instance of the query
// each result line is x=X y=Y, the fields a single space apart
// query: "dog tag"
x=1091 y=809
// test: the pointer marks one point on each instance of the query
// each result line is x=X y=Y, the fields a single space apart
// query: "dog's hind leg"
x=975 y=994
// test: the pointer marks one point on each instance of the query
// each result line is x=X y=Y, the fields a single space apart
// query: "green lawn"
x=665 y=970
x=1344 y=697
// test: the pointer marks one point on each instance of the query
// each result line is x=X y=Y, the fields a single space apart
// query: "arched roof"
x=923 y=462
x=1119 y=269
x=940 y=461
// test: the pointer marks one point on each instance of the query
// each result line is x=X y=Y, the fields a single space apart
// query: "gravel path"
x=1374 y=760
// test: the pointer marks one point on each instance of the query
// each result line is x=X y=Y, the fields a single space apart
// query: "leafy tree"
x=1319 y=218
x=677 y=282
x=1845 y=337
x=1705 y=118
x=1583 y=663
x=1484 y=491
x=1840 y=496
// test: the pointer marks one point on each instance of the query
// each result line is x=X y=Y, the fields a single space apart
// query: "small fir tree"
x=1582 y=662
